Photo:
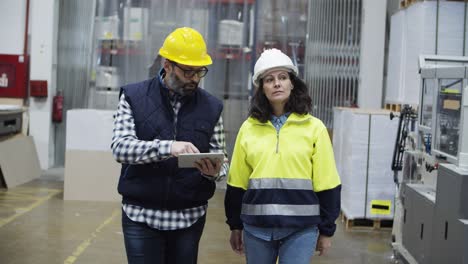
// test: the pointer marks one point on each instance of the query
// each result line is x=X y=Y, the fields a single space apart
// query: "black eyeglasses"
x=190 y=73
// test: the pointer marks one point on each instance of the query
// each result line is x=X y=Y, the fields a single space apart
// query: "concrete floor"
x=38 y=226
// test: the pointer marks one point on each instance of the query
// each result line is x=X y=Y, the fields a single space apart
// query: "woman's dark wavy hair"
x=299 y=101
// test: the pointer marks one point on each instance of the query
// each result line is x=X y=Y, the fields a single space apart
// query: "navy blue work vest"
x=162 y=185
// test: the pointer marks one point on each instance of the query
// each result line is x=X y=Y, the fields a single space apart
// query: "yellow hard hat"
x=185 y=46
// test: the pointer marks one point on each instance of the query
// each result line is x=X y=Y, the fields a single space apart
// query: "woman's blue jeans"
x=297 y=248
x=148 y=245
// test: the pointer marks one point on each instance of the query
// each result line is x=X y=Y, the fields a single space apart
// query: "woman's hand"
x=236 y=241
x=323 y=244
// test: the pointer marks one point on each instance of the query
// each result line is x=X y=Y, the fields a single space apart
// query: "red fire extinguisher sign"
x=57 y=108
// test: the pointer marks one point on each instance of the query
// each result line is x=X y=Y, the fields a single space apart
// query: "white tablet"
x=188 y=160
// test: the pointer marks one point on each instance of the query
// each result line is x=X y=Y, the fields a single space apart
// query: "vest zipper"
x=166 y=198
x=174 y=137
x=176 y=118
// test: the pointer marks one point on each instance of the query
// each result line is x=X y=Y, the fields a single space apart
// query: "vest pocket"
x=125 y=170
x=192 y=186
x=202 y=131
x=136 y=172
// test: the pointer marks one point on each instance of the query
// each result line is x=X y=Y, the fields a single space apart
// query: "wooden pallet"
x=397 y=107
x=393 y=107
x=362 y=223
x=406 y=3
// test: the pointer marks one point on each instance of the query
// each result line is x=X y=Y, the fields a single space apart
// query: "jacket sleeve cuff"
x=233 y=207
x=327 y=229
x=330 y=206
x=235 y=226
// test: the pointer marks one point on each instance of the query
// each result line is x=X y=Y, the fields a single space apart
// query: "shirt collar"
x=279 y=120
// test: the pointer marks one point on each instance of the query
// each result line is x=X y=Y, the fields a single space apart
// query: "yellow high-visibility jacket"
x=289 y=177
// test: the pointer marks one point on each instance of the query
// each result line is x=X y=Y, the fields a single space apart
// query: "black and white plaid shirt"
x=127 y=148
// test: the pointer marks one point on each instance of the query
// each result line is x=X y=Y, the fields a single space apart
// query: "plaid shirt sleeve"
x=218 y=145
x=127 y=148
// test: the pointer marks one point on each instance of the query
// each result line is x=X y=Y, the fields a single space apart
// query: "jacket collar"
x=294 y=117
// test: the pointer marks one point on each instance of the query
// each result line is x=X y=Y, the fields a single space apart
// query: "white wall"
x=12 y=21
x=43 y=28
x=44 y=25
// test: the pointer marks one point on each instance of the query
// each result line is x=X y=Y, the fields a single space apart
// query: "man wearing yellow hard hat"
x=164 y=206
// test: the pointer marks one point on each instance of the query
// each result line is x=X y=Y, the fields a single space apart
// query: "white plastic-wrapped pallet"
x=416 y=31
x=363 y=142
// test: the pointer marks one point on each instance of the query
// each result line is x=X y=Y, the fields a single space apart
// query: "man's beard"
x=178 y=86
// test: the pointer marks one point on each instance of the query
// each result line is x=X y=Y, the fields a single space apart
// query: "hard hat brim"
x=259 y=75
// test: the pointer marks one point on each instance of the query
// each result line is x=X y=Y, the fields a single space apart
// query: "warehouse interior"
x=388 y=78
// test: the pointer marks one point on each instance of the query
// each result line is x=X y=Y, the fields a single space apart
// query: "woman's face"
x=277 y=86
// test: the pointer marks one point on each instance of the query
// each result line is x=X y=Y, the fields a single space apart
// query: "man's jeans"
x=148 y=245
x=297 y=248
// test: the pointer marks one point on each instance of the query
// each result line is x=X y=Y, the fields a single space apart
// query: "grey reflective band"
x=281 y=209
x=280 y=183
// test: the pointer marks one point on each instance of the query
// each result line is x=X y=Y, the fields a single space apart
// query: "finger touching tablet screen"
x=188 y=160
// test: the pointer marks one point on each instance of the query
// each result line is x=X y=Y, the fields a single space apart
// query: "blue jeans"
x=148 y=245
x=297 y=248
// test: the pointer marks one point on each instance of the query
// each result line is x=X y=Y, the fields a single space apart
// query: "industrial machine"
x=430 y=162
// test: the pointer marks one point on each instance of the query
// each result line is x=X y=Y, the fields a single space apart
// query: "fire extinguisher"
x=57 y=107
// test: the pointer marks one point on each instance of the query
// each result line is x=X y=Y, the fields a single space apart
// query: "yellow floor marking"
x=18 y=197
x=25 y=193
x=7 y=205
x=85 y=244
x=22 y=210
x=29 y=189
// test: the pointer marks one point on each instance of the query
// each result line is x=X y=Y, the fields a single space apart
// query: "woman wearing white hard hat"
x=283 y=189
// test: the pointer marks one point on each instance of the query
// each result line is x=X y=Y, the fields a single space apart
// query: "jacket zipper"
x=277 y=131
x=277 y=141
x=277 y=135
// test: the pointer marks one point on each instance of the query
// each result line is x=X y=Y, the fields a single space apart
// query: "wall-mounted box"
x=14 y=75
x=38 y=88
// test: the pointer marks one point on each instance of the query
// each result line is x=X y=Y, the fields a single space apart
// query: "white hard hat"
x=269 y=59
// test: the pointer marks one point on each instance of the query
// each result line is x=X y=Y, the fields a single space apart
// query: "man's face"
x=183 y=79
